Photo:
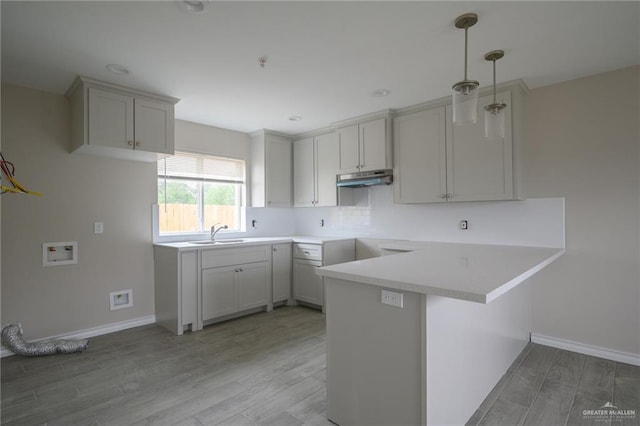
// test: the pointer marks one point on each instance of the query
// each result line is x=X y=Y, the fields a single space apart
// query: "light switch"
x=98 y=227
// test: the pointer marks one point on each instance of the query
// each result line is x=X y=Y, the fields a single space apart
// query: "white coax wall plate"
x=121 y=299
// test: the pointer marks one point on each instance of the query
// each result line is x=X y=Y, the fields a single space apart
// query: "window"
x=196 y=192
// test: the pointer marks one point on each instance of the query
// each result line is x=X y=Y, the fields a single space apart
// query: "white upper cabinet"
x=315 y=168
x=326 y=162
x=120 y=122
x=349 y=143
x=304 y=194
x=110 y=119
x=154 y=126
x=374 y=142
x=420 y=156
x=271 y=170
x=436 y=161
x=365 y=146
x=479 y=169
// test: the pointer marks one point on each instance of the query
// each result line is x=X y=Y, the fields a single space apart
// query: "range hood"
x=360 y=179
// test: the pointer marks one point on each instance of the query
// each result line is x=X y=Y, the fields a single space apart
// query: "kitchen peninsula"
x=456 y=317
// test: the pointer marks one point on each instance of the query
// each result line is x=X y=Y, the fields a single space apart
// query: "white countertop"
x=189 y=245
x=474 y=272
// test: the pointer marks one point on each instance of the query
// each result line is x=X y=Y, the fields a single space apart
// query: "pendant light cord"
x=466 y=30
x=494 y=81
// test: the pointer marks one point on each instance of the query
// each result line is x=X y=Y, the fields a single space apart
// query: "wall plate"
x=60 y=253
x=121 y=299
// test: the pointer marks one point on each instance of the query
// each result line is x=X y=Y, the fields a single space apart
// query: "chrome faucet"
x=214 y=231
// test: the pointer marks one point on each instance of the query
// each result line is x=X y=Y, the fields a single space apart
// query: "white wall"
x=534 y=222
x=583 y=144
x=78 y=190
x=210 y=140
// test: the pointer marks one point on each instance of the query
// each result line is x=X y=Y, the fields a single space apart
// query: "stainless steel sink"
x=210 y=243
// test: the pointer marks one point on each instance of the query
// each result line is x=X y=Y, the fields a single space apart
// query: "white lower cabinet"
x=254 y=289
x=236 y=288
x=198 y=286
x=281 y=272
x=176 y=289
x=308 y=286
x=219 y=295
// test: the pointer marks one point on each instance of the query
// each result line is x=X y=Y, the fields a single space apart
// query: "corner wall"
x=78 y=190
x=583 y=143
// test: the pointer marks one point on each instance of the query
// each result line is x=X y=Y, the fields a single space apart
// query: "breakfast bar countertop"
x=474 y=272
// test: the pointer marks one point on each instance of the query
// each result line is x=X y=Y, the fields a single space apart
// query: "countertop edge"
x=430 y=289
x=492 y=295
x=251 y=241
x=401 y=285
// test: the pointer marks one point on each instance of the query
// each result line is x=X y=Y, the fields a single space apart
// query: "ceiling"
x=324 y=58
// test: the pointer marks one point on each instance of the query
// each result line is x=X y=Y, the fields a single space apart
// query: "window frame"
x=240 y=206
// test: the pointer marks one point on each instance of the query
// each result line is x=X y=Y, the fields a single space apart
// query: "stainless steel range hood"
x=360 y=179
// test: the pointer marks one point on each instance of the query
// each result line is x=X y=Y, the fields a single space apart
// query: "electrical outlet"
x=98 y=227
x=464 y=225
x=392 y=298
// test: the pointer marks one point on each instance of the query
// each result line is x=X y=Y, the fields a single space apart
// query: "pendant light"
x=494 y=113
x=465 y=92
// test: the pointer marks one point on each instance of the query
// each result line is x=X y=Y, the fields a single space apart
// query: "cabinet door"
x=254 y=284
x=278 y=171
x=327 y=164
x=307 y=285
x=480 y=169
x=154 y=126
x=373 y=145
x=110 y=119
x=303 y=174
x=219 y=295
x=281 y=272
x=420 y=157
x=189 y=289
x=348 y=142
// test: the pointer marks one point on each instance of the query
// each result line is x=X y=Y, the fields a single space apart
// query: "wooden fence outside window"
x=184 y=217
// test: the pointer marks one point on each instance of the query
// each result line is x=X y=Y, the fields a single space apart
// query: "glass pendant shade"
x=465 y=102
x=494 y=121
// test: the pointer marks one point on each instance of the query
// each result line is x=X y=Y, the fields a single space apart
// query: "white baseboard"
x=92 y=332
x=613 y=355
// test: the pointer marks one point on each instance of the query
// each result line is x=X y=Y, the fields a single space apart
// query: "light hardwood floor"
x=268 y=369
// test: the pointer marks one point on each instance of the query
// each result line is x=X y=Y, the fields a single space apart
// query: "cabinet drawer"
x=307 y=251
x=235 y=256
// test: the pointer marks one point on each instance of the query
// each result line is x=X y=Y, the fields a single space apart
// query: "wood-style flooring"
x=270 y=369
x=548 y=387
x=267 y=368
